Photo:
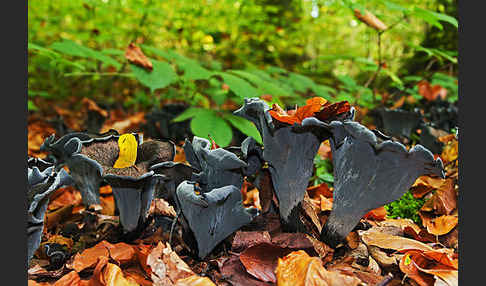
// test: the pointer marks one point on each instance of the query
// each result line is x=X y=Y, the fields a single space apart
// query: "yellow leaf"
x=128 y=151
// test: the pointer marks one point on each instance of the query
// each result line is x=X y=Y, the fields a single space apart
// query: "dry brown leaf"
x=109 y=274
x=324 y=150
x=37 y=132
x=64 y=197
x=90 y=105
x=135 y=56
x=166 y=266
x=315 y=192
x=195 y=280
x=235 y=273
x=353 y=239
x=260 y=260
x=252 y=199
x=450 y=152
x=125 y=124
x=311 y=210
x=246 y=239
x=70 y=279
x=58 y=216
x=160 y=206
x=299 y=269
x=370 y=20
x=444 y=200
x=313 y=105
x=387 y=241
x=430 y=92
x=120 y=252
x=376 y=214
x=409 y=267
x=441 y=225
x=107 y=205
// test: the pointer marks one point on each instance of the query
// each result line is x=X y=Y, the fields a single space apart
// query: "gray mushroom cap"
x=217 y=167
x=369 y=172
x=41 y=184
x=214 y=215
x=289 y=151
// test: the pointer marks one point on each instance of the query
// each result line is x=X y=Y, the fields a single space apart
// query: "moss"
x=406 y=207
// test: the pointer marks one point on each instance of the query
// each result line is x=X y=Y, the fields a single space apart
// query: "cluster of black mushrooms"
x=370 y=170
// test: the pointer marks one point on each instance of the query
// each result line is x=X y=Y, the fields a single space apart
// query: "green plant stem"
x=98 y=73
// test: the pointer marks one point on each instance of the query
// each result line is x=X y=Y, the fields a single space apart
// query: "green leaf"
x=208 y=123
x=71 y=48
x=31 y=106
x=239 y=86
x=193 y=70
x=245 y=126
x=157 y=52
x=161 y=75
x=434 y=18
x=300 y=82
x=265 y=86
x=189 y=113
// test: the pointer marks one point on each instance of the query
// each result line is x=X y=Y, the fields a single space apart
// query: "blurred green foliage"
x=210 y=54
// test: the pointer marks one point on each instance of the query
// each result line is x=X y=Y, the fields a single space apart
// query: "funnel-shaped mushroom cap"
x=172 y=175
x=133 y=196
x=217 y=167
x=397 y=122
x=41 y=184
x=369 y=173
x=214 y=215
x=289 y=151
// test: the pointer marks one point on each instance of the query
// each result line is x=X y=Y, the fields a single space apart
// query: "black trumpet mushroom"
x=369 y=171
x=42 y=180
x=212 y=216
x=80 y=152
x=91 y=161
x=215 y=167
x=171 y=175
x=289 y=151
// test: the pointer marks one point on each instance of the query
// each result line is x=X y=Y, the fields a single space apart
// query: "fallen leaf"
x=430 y=92
x=409 y=267
x=166 y=266
x=376 y=214
x=252 y=199
x=195 y=280
x=332 y=110
x=90 y=105
x=235 y=273
x=58 y=216
x=159 y=206
x=388 y=241
x=440 y=225
x=298 y=269
x=64 y=197
x=353 y=240
x=120 y=252
x=123 y=123
x=444 y=200
x=261 y=260
x=128 y=145
x=323 y=189
x=313 y=105
x=135 y=56
x=70 y=279
x=109 y=274
x=371 y=20
x=107 y=205
x=246 y=239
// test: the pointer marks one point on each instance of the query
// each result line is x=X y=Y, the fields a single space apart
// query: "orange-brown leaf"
x=261 y=260
x=135 y=56
x=299 y=269
x=333 y=110
x=370 y=20
x=376 y=214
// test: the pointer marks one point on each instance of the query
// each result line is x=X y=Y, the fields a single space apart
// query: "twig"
x=385 y=280
x=173 y=226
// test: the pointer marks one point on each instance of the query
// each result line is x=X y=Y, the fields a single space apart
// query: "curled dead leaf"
x=135 y=56
x=299 y=269
x=371 y=20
